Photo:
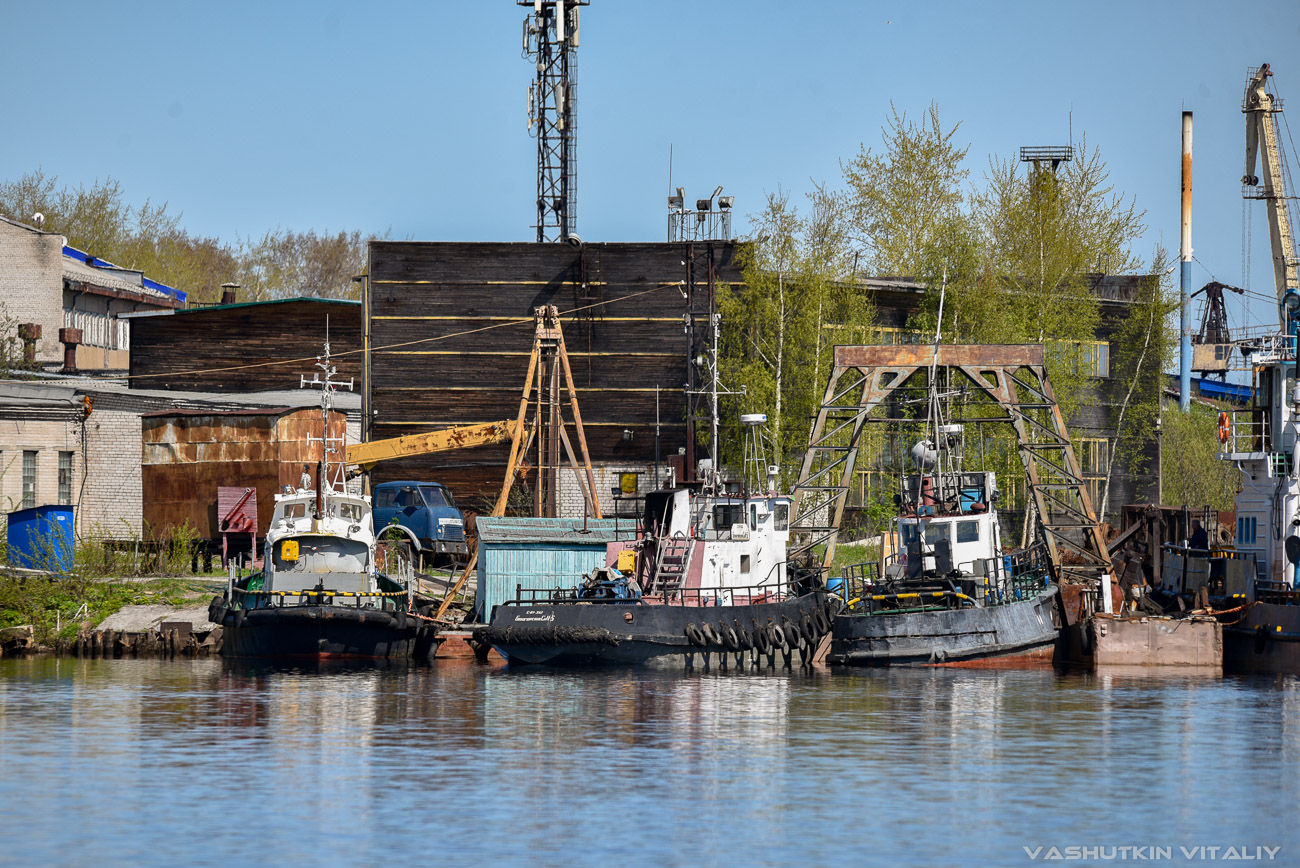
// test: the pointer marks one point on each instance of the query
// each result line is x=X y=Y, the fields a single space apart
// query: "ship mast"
x=328 y=385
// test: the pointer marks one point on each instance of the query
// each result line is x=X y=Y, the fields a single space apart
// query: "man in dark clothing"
x=1199 y=539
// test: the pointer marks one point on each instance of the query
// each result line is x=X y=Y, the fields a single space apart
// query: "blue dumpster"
x=41 y=538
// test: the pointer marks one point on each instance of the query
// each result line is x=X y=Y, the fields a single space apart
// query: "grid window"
x=29 y=479
x=65 y=478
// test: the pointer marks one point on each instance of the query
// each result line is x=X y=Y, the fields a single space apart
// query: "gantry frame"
x=1015 y=379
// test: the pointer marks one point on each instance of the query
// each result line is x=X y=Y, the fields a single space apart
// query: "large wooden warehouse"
x=450 y=329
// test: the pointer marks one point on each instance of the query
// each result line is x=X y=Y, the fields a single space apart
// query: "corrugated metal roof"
x=568 y=531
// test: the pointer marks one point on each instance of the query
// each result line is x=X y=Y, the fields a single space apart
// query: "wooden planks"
x=451 y=327
x=215 y=349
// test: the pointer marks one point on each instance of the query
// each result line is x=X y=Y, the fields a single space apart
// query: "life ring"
x=693 y=635
x=710 y=635
x=1225 y=427
x=729 y=637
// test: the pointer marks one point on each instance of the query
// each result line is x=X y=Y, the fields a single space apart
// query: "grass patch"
x=57 y=605
x=858 y=553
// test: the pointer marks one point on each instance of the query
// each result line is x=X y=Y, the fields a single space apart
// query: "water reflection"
x=340 y=762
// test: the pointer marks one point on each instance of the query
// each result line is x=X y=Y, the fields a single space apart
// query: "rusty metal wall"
x=186 y=455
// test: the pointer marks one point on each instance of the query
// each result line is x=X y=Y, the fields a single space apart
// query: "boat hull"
x=1266 y=639
x=1022 y=632
x=317 y=632
x=628 y=633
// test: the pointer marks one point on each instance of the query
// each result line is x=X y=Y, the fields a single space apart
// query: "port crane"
x=1261 y=109
x=548 y=366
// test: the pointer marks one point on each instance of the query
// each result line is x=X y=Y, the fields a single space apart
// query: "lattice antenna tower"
x=550 y=41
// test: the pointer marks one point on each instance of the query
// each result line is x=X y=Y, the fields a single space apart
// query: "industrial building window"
x=29 y=479
x=1246 y=530
x=65 y=478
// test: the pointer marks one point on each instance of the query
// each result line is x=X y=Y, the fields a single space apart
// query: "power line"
x=310 y=359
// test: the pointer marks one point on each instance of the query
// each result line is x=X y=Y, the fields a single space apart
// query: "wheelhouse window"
x=968 y=531
x=935 y=531
x=782 y=520
x=727 y=514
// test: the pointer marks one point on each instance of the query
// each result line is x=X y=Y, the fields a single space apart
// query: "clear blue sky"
x=408 y=117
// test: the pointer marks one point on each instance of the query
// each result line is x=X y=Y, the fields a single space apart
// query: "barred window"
x=29 y=479
x=65 y=478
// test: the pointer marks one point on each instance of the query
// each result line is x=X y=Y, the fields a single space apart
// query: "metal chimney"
x=1185 y=276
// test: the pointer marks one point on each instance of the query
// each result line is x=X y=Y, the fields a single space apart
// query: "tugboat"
x=949 y=594
x=321 y=592
x=704 y=574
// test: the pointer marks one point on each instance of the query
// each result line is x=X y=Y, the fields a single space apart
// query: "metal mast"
x=550 y=39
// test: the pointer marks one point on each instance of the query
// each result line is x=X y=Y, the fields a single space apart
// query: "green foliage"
x=905 y=203
x=774 y=340
x=1143 y=350
x=99 y=220
x=1192 y=475
x=57 y=605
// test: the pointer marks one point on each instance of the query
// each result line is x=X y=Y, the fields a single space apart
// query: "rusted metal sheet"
x=189 y=455
x=959 y=355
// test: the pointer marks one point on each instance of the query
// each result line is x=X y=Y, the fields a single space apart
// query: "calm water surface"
x=208 y=762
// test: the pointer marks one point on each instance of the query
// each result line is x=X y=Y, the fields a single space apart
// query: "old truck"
x=425 y=515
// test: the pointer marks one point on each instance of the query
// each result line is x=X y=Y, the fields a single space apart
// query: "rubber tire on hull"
x=694 y=635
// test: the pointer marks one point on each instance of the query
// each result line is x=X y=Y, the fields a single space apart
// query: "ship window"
x=295 y=510
x=349 y=512
x=968 y=531
x=936 y=531
x=753 y=517
x=744 y=563
x=783 y=516
x=725 y=515
x=909 y=533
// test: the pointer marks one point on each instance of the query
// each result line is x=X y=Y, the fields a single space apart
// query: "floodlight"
x=725 y=202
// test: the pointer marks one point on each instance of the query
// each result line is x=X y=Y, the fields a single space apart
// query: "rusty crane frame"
x=1014 y=378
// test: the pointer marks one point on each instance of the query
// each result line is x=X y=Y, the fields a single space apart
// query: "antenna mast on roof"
x=550 y=40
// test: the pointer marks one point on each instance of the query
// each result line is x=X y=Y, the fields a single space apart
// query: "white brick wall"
x=607 y=479
x=31 y=283
x=110 y=504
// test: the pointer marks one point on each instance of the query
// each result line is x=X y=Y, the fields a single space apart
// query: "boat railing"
x=611 y=593
x=995 y=581
x=1276 y=593
x=258 y=599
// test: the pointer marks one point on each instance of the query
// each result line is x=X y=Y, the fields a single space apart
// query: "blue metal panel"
x=502 y=569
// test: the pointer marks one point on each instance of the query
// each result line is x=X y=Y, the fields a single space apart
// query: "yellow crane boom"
x=367 y=455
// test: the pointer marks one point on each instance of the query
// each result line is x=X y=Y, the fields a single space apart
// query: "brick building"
x=78 y=441
x=46 y=283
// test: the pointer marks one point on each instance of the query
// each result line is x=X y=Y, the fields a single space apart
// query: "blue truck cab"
x=426 y=514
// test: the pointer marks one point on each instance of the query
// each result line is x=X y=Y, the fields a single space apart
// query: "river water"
x=129 y=762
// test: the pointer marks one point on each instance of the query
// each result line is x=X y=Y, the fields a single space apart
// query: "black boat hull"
x=1026 y=630
x=1266 y=639
x=628 y=633
x=316 y=632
